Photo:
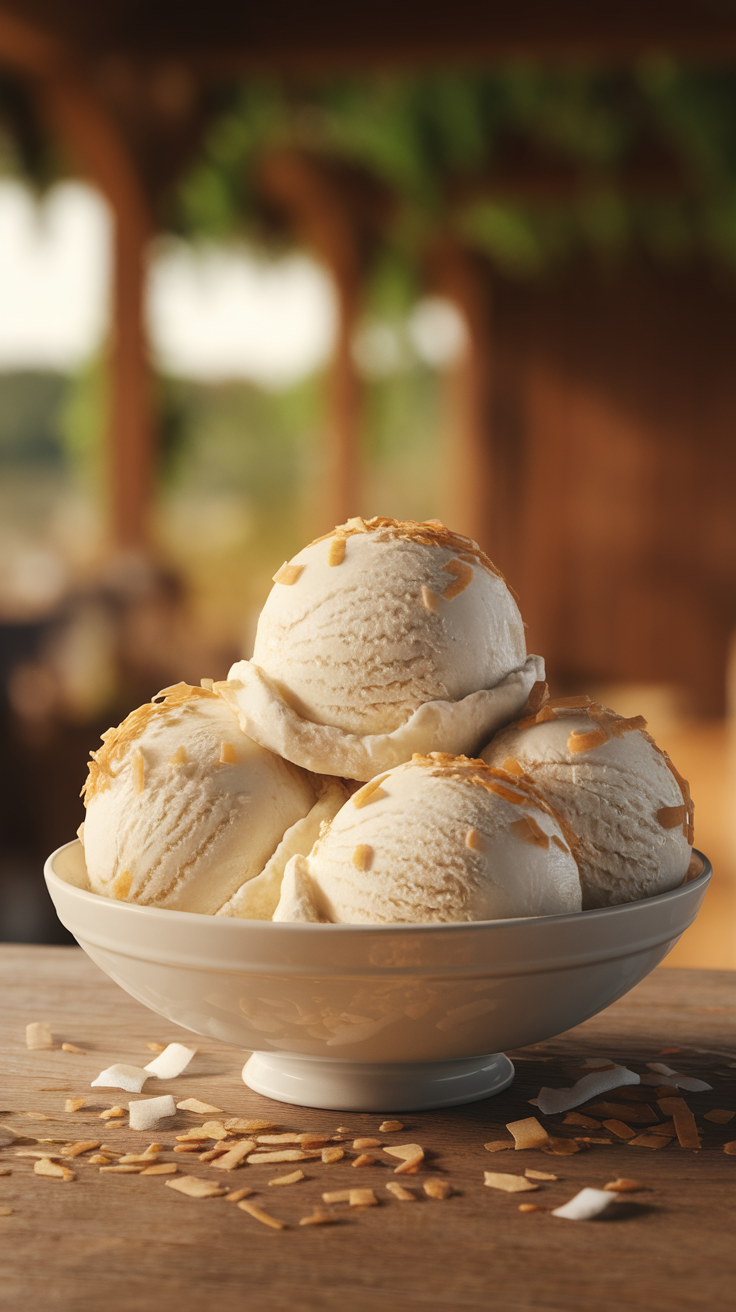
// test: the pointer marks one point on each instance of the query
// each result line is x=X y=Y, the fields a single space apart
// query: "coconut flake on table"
x=130 y=1078
x=687 y=1082
x=550 y=1101
x=171 y=1062
x=586 y=1205
x=38 y=1035
x=144 y=1115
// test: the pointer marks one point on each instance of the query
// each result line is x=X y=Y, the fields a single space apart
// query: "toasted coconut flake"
x=330 y=1155
x=130 y=1078
x=730 y=1148
x=193 y=1187
x=404 y=1150
x=258 y=1214
x=156 y=1047
x=72 y=1047
x=463 y=577
x=641 y=1113
x=511 y=766
x=294 y=1178
x=208 y=684
x=365 y=1159
x=577 y=1118
x=669 y=817
x=212 y=1154
x=288 y=575
x=358 y=1144
x=194 y=1105
x=38 y=1035
x=244 y=1125
x=528 y=1133
x=288 y=1155
x=171 y=1062
x=121 y=886
x=510 y=1184
x=370 y=792
x=539 y=1175
x=320 y=1218
x=529 y=831
x=82 y=1146
x=560 y=1147
x=362 y=1198
x=74 y=1104
x=586 y=1205
x=54 y=1170
x=390 y=1127
x=563 y=1100
x=212 y=1130
x=112 y=1113
x=6 y=1211
x=474 y=840
x=280 y=1138
x=99 y=1159
x=720 y=1116
x=624 y=1186
x=179 y=757
x=531 y=1207
x=5 y=1170
x=235 y=1195
x=345 y=1129
x=164 y=1168
x=228 y=754
x=649 y=1140
x=146 y=1113
x=234 y=1156
x=187 y=1147
x=585 y=742
x=619 y=1129
x=121 y=1170
x=139 y=1159
x=363 y=856
x=337 y=1196
x=336 y=551
x=437 y=1188
x=399 y=1191
x=585 y=1138
x=499 y=1145
x=431 y=601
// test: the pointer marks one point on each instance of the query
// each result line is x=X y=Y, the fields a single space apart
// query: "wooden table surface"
x=127 y=1243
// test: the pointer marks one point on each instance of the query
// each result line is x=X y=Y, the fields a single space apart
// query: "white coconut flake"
x=144 y=1115
x=131 y=1078
x=551 y=1101
x=172 y=1061
x=586 y=1205
x=687 y=1082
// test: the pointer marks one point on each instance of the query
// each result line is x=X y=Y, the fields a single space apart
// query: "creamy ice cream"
x=630 y=810
x=381 y=640
x=183 y=809
x=437 y=840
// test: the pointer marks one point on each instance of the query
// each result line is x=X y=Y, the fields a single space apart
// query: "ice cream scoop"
x=383 y=639
x=437 y=840
x=629 y=808
x=182 y=808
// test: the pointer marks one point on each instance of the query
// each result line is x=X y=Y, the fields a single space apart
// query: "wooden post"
x=92 y=135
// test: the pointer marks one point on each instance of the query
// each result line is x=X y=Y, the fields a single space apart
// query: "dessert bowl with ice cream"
x=378 y=854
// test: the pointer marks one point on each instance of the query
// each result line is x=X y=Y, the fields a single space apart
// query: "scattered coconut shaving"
x=294 y=1178
x=72 y=1047
x=171 y=1062
x=390 y=1127
x=587 y=1122
x=194 y=1187
x=586 y=1205
x=362 y=1198
x=234 y=1156
x=288 y=1155
x=194 y=1105
x=560 y=1147
x=440 y=1189
x=551 y=1101
x=259 y=1215
x=359 y=1144
x=156 y=1047
x=510 y=1184
x=649 y=1140
x=730 y=1148
x=320 y=1218
x=720 y=1116
x=330 y=1155
x=365 y=1159
x=38 y=1035
x=235 y=1195
x=54 y=1170
x=74 y=1104
x=539 y=1175
x=499 y=1145
x=619 y=1129
x=624 y=1186
x=82 y=1146
x=164 y=1168
x=399 y=1191
x=528 y=1133
x=685 y=1127
x=112 y=1113
x=145 y=1114
x=130 y=1078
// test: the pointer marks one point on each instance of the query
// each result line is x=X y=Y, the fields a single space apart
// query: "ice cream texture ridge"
x=390 y=754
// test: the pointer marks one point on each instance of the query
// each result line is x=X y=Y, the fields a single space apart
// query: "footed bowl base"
x=377 y=1087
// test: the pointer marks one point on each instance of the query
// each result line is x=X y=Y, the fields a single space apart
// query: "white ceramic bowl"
x=372 y=1018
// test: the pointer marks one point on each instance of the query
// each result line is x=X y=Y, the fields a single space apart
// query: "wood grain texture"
x=126 y=1243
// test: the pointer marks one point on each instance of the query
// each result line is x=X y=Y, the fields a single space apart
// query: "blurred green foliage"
x=645 y=159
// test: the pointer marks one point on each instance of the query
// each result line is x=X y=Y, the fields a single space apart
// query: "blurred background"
x=259 y=273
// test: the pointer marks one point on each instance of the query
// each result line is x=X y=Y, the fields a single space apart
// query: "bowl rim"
x=192 y=918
